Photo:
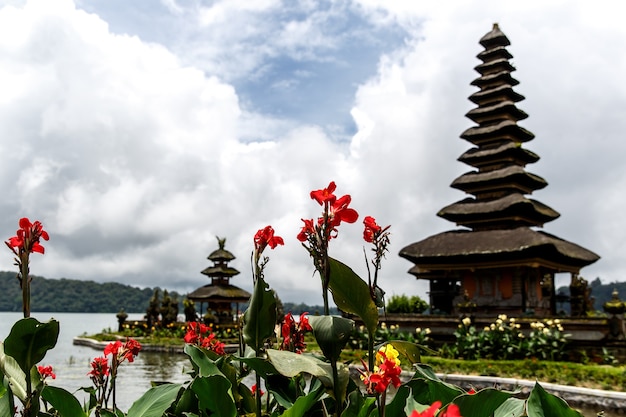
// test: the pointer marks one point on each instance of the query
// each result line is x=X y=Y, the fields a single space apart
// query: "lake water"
x=71 y=363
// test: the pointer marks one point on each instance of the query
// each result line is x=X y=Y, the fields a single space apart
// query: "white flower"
x=427 y=331
x=502 y=317
x=467 y=321
x=486 y=329
x=418 y=330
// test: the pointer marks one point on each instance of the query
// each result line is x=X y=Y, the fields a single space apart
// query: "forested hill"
x=68 y=295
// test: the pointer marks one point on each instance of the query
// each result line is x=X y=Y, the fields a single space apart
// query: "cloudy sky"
x=138 y=131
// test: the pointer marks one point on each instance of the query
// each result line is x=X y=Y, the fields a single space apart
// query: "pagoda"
x=497 y=263
x=219 y=295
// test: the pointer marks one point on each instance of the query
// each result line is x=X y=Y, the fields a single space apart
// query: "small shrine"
x=219 y=295
x=497 y=262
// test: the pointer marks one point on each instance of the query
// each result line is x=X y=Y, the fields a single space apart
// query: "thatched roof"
x=464 y=249
x=512 y=209
x=223 y=292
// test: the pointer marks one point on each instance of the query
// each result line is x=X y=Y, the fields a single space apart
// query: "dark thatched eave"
x=508 y=152
x=220 y=271
x=222 y=292
x=511 y=177
x=512 y=206
x=221 y=255
x=464 y=249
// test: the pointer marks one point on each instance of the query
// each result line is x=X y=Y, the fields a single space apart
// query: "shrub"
x=403 y=304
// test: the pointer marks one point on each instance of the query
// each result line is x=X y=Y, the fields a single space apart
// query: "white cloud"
x=135 y=160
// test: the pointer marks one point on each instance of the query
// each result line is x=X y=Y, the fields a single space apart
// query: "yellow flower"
x=387 y=352
x=467 y=321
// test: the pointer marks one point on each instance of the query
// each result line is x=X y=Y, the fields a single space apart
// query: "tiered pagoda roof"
x=220 y=289
x=498 y=214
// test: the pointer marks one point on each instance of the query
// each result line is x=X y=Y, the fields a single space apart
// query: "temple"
x=221 y=297
x=497 y=262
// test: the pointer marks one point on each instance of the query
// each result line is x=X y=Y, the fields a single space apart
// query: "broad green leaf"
x=331 y=333
x=186 y=403
x=14 y=374
x=358 y=405
x=304 y=403
x=259 y=365
x=155 y=401
x=543 y=404
x=411 y=351
x=352 y=295
x=203 y=365
x=6 y=403
x=260 y=317
x=214 y=396
x=483 y=403
x=291 y=364
x=29 y=340
x=513 y=407
x=63 y=402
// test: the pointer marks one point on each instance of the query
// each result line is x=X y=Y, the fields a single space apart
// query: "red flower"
x=325 y=195
x=265 y=237
x=371 y=229
x=99 y=368
x=452 y=411
x=122 y=351
x=307 y=230
x=340 y=212
x=113 y=348
x=27 y=236
x=253 y=389
x=196 y=335
x=46 y=371
x=131 y=349
x=429 y=412
x=293 y=333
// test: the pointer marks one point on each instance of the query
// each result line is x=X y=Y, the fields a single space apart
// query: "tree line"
x=76 y=296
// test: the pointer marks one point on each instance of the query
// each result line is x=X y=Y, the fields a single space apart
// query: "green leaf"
x=483 y=403
x=352 y=295
x=411 y=351
x=290 y=364
x=358 y=405
x=203 y=365
x=29 y=340
x=155 y=401
x=260 y=317
x=304 y=403
x=214 y=396
x=259 y=365
x=543 y=404
x=14 y=374
x=6 y=403
x=63 y=402
x=512 y=407
x=331 y=333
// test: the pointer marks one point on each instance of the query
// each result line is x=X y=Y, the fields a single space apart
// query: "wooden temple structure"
x=497 y=262
x=222 y=298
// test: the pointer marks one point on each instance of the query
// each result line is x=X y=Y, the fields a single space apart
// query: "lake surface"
x=72 y=363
